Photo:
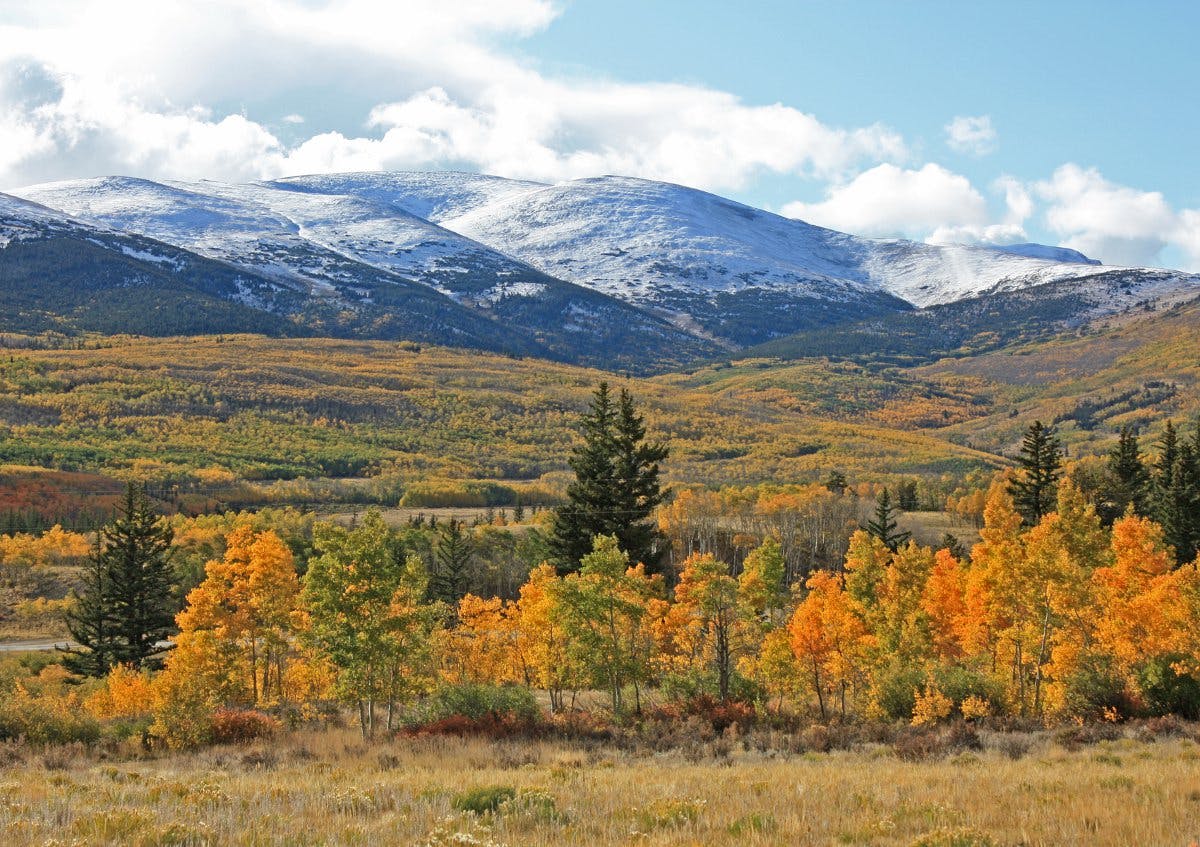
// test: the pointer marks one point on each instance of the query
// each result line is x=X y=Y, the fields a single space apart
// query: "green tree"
x=453 y=559
x=906 y=495
x=1130 y=478
x=1035 y=488
x=884 y=525
x=127 y=608
x=364 y=597
x=616 y=488
x=602 y=607
x=1175 y=493
x=836 y=483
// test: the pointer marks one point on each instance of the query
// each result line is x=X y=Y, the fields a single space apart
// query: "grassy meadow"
x=331 y=788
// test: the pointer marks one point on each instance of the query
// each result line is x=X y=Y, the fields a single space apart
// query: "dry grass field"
x=331 y=788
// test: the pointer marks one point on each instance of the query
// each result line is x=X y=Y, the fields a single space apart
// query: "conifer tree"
x=452 y=573
x=127 y=607
x=884 y=526
x=1129 y=474
x=616 y=486
x=836 y=483
x=1176 y=493
x=90 y=621
x=1035 y=489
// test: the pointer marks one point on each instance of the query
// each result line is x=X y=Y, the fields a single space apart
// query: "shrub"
x=931 y=707
x=896 y=690
x=469 y=709
x=1095 y=690
x=1167 y=691
x=45 y=720
x=239 y=726
x=484 y=800
x=917 y=745
x=695 y=685
x=478 y=702
x=954 y=838
x=707 y=708
x=962 y=684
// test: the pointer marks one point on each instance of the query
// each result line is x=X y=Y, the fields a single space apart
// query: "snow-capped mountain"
x=626 y=268
x=381 y=271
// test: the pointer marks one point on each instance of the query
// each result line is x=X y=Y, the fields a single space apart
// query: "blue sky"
x=1063 y=122
x=1107 y=84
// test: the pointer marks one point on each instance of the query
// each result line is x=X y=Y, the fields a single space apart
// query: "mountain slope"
x=612 y=271
x=739 y=273
x=381 y=273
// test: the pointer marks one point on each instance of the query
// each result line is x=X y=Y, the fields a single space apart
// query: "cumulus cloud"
x=889 y=200
x=974 y=135
x=182 y=89
x=1115 y=223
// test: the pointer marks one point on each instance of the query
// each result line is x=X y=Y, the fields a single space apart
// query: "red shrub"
x=238 y=726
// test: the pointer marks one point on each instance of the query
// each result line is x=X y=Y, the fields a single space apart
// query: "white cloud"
x=1115 y=223
x=293 y=118
x=888 y=200
x=974 y=135
x=168 y=88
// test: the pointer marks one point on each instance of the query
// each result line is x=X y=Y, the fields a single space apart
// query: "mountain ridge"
x=616 y=271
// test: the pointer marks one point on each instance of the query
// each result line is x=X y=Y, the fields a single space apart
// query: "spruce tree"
x=1129 y=476
x=836 y=483
x=884 y=525
x=639 y=489
x=1035 y=489
x=452 y=571
x=616 y=486
x=90 y=620
x=127 y=606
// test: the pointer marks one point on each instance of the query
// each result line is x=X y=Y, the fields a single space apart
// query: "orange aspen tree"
x=248 y=606
x=828 y=637
x=944 y=605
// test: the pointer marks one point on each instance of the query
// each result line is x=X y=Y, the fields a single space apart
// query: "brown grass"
x=330 y=788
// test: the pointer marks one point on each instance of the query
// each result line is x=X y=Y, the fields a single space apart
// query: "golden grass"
x=330 y=788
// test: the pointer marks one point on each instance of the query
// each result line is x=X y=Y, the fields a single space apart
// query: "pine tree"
x=616 y=486
x=639 y=490
x=954 y=546
x=906 y=495
x=1175 y=497
x=452 y=572
x=884 y=525
x=127 y=608
x=90 y=621
x=1035 y=490
x=1130 y=475
x=836 y=483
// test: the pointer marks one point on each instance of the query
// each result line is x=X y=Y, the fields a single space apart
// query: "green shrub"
x=896 y=691
x=959 y=683
x=1167 y=691
x=484 y=800
x=478 y=703
x=1094 y=688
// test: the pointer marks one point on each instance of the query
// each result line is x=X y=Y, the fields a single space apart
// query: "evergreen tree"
x=953 y=544
x=884 y=525
x=452 y=570
x=906 y=495
x=1130 y=478
x=836 y=483
x=639 y=489
x=616 y=486
x=1035 y=489
x=127 y=606
x=1175 y=494
x=90 y=620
